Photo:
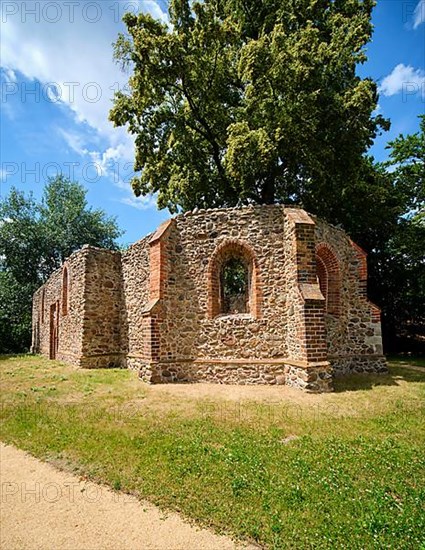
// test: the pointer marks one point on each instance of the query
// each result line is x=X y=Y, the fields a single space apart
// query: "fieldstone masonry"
x=157 y=307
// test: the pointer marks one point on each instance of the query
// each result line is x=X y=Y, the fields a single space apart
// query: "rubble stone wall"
x=70 y=326
x=136 y=280
x=354 y=333
x=104 y=310
x=188 y=330
x=156 y=307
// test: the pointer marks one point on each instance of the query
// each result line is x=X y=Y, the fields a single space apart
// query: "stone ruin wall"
x=353 y=336
x=226 y=348
x=136 y=280
x=306 y=339
x=287 y=341
x=104 y=315
x=90 y=333
x=70 y=326
x=150 y=308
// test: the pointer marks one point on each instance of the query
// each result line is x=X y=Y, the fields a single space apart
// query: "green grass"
x=341 y=470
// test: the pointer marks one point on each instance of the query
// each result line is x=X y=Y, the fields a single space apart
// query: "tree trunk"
x=268 y=191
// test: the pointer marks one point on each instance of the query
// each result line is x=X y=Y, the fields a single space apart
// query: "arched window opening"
x=233 y=280
x=234 y=287
x=329 y=278
x=65 y=291
x=322 y=275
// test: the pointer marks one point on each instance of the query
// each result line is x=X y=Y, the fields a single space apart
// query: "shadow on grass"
x=359 y=382
x=9 y=356
x=406 y=360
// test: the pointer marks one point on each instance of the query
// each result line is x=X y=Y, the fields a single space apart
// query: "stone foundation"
x=370 y=364
x=313 y=378
x=103 y=361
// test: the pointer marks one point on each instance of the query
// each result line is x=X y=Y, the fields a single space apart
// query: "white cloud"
x=141 y=203
x=419 y=14
x=403 y=78
x=66 y=50
x=9 y=76
x=69 y=47
x=74 y=141
x=106 y=161
x=154 y=9
x=116 y=163
x=9 y=87
x=112 y=157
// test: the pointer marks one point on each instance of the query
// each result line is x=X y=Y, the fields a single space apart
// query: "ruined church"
x=251 y=295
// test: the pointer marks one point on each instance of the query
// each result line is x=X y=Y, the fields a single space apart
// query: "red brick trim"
x=153 y=306
x=299 y=216
x=322 y=275
x=362 y=275
x=158 y=272
x=361 y=251
x=161 y=231
x=227 y=249
x=302 y=231
x=329 y=275
x=311 y=292
x=158 y=261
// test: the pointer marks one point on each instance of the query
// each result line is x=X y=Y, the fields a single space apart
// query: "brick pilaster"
x=153 y=313
x=307 y=333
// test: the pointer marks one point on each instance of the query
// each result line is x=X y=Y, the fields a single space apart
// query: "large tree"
x=397 y=259
x=35 y=238
x=241 y=101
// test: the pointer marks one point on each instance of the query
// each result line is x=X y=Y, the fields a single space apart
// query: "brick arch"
x=225 y=251
x=65 y=290
x=328 y=273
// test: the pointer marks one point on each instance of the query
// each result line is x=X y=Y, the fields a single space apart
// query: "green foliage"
x=398 y=276
x=234 y=284
x=407 y=156
x=235 y=277
x=397 y=264
x=15 y=313
x=35 y=238
x=246 y=101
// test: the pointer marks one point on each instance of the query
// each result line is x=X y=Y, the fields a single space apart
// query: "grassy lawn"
x=272 y=465
x=405 y=360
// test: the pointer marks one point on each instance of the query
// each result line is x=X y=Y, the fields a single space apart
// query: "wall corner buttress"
x=308 y=330
x=158 y=272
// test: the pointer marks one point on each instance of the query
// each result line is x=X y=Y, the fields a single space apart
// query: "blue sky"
x=58 y=78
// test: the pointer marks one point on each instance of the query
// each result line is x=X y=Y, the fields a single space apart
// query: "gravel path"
x=43 y=508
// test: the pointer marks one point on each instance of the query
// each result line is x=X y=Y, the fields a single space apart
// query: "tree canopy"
x=35 y=238
x=397 y=259
x=259 y=101
x=239 y=101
